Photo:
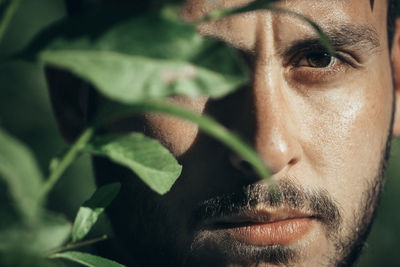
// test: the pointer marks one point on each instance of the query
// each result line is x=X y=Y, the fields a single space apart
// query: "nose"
x=276 y=135
x=270 y=120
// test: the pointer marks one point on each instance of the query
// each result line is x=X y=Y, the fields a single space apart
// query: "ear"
x=70 y=98
x=396 y=77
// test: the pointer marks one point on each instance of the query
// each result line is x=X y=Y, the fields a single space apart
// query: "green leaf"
x=7 y=11
x=86 y=259
x=146 y=157
x=90 y=211
x=140 y=57
x=148 y=34
x=51 y=232
x=20 y=171
x=130 y=79
x=111 y=112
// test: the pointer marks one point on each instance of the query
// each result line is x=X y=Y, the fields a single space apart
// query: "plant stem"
x=79 y=244
x=68 y=158
x=9 y=12
x=205 y=123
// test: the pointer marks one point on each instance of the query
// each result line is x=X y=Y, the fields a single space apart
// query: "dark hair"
x=391 y=20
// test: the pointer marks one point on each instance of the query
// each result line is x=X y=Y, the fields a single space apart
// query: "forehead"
x=242 y=30
x=193 y=10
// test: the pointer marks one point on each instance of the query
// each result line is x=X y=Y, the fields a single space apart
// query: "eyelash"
x=303 y=72
x=308 y=58
x=308 y=75
x=295 y=60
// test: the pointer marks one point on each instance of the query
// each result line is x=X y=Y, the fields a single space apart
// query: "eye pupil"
x=319 y=60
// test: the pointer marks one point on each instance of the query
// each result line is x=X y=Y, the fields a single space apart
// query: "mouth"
x=261 y=227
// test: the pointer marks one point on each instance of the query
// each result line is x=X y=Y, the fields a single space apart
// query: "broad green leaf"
x=131 y=58
x=111 y=111
x=20 y=171
x=86 y=259
x=51 y=232
x=92 y=208
x=130 y=79
x=146 y=157
x=149 y=35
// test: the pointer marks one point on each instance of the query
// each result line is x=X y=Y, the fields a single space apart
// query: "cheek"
x=346 y=131
x=175 y=134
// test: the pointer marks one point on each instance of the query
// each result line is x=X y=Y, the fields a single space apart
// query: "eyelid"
x=333 y=61
x=349 y=58
x=342 y=55
x=320 y=77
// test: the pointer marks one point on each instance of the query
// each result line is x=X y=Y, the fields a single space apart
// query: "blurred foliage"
x=30 y=227
x=26 y=114
x=22 y=85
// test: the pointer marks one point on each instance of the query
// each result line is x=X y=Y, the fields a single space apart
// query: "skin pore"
x=321 y=124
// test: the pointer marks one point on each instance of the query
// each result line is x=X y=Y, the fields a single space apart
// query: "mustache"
x=316 y=202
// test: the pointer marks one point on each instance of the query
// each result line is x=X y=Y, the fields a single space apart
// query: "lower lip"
x=274 y=233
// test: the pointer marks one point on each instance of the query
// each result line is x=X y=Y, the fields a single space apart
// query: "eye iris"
x=321 y=60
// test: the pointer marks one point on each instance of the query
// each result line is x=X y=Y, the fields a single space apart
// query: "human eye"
x=317 y=60
x=316 y=65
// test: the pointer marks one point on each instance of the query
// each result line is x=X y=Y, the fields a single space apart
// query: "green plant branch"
x=78 y=245
x=8 y=15
x=205 y=123
x=67 y=159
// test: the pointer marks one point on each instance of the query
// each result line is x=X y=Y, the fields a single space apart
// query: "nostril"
x=293 y=161
x=242 y=165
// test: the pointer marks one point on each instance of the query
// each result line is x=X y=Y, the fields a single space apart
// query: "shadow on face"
x=307 y=113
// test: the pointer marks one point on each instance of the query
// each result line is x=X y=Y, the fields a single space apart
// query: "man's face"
x=320 y=123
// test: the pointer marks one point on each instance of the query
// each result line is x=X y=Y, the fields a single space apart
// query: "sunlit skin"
x=321 y=122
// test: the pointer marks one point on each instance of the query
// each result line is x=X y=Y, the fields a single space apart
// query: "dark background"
x=25 y=112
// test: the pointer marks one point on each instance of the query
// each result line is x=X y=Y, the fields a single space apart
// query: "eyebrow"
x=359 y=37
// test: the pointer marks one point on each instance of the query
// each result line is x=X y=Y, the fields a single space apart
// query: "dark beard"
x=225 y=249
x=291 y=195
x=137 y=232
x=136 y=235
x=351 y=248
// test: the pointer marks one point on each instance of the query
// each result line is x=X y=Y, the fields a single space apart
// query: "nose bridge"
x=274 y=136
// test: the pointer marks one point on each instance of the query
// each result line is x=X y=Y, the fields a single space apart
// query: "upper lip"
x=257 y=216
